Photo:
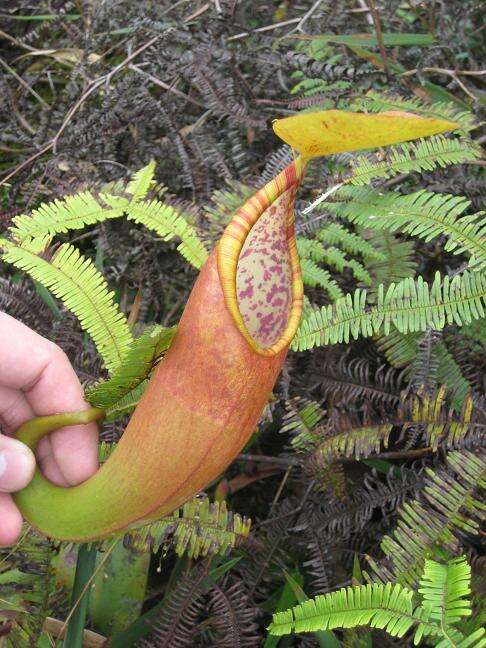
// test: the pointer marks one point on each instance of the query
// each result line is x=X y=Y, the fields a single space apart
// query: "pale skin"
x=36 y=379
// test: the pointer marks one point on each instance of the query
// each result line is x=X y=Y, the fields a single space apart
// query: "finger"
x=48 y=463
x=14 y=409
x=41 y=370
x=10 y=521
x=17 y=465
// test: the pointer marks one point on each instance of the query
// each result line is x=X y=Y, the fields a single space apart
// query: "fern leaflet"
x=423 y=214
x=410 y=305
x=424 y=155
x=168 y=222
x=134 y=370
x=75 y=280
x=199 y=528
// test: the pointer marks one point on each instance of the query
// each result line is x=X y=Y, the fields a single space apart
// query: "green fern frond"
x=302 y=417
x=399 y=263
x=449 y=373
x=450 y=509
x=445 y=590
x=381 y=101
x=168 y=222
x=75 y=280
x=79 y=210
x=336 y=234
x=424 y=155
x=135 y=369
x=409 y=306
x=141 y=182
x=398 y=348
x=388 y=607
x=70 y=213
x=315 y=276
x=199 y=528
x=312 y=251
x=423 y=214
x=360 y=272
x=354 y=441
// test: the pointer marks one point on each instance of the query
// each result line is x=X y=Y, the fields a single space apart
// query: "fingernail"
x=16 y=469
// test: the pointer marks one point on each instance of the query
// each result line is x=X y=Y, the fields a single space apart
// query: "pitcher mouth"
x=259 y=266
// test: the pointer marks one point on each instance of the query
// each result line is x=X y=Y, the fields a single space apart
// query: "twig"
x=165 y=86
x=454 y=74
x=363 y=8
x=23 y=82
x=90 y=639
x=307 y=15
x=73 y=110
x=292 y=21
x=379 y=37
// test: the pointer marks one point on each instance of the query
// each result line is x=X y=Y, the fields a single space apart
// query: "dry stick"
x=452 y=73
x=292 y=21
x=72 y=111
x=91 y=639
x=364 y=8
x=307 y=15
x=165 y=86
x=23 y=82
x=379 y=36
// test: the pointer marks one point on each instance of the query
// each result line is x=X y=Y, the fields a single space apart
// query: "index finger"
x=40 y=369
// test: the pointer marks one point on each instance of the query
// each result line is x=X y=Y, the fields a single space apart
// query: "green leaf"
x=83 y=290
x=388 y=607
x=168 y=222
x=140 y=357
x=408 y=306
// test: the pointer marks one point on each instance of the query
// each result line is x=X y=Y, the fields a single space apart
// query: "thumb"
x=17 y=465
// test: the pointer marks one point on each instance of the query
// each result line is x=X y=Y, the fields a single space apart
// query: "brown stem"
x=379 y=36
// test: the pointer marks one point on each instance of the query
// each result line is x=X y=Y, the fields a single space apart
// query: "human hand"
x=37 y=379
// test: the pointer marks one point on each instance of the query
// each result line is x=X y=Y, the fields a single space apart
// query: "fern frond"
x=134 y=370
x=424 y=155
x=141 y=182
x=448 y=508
x=79 y=210
x=381 y=101
x=311 y=250
x=26 y=584
x=432 y=413
x=83 y=290
x=398 y=348
x=353 y=440
x=423 y=214
x=399 y=263
x=388 y=607
x=445 y=590
x=349 y=381
x=315 y=276
x=199 y=528
x=60 y=216
x=168 y=222
x=302 y=417
x=336 y=234
x=408 y=306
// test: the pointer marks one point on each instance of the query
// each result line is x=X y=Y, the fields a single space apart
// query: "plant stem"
x=84 y=569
